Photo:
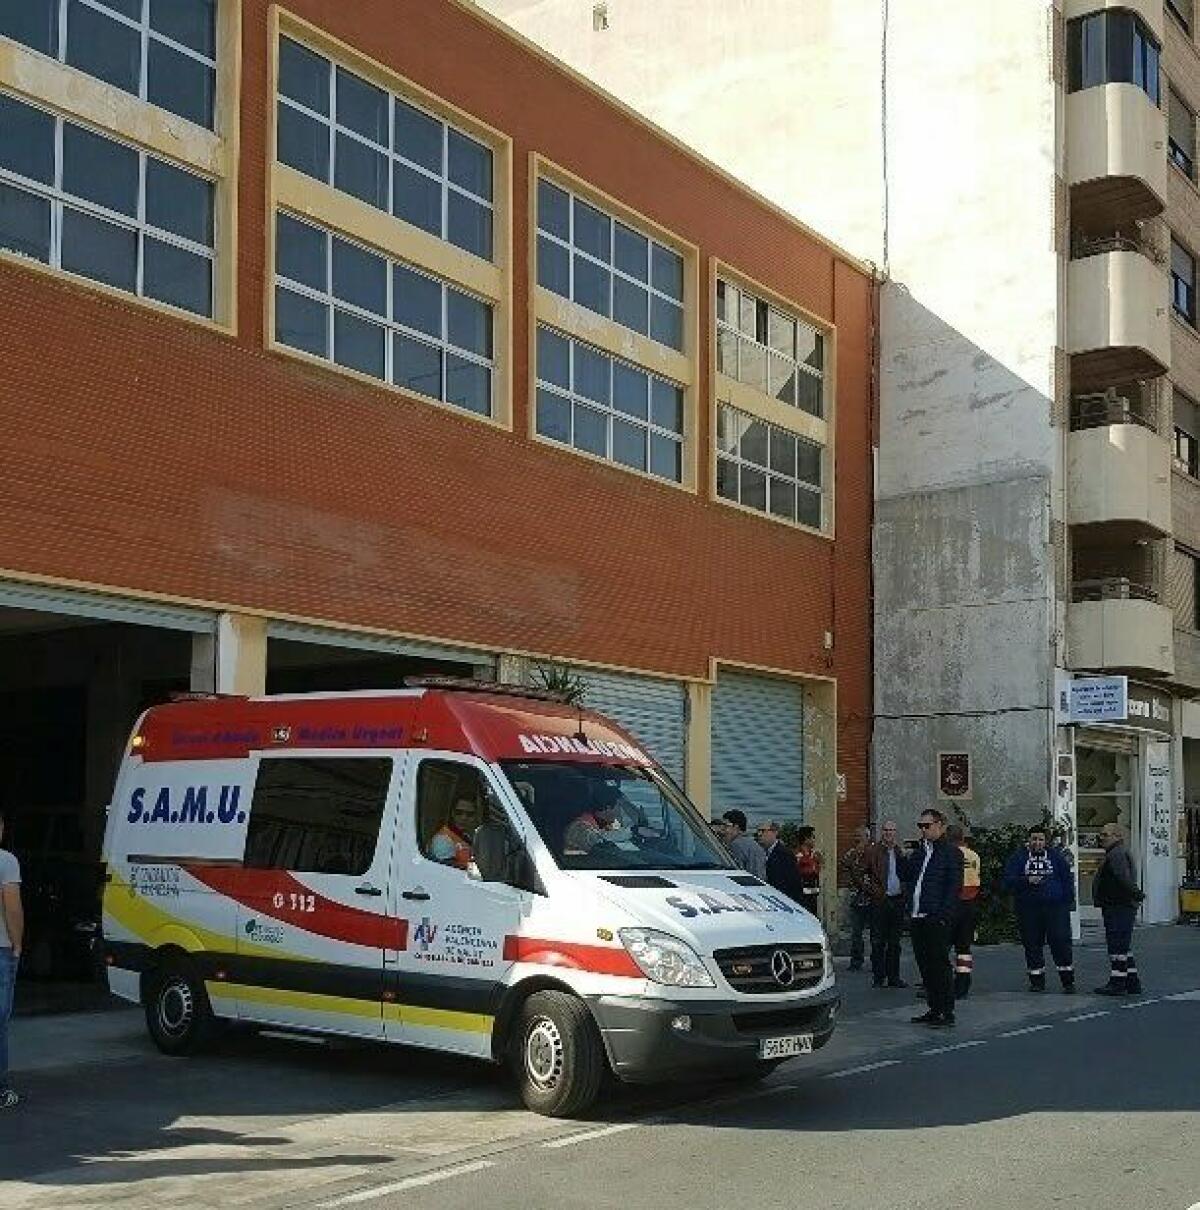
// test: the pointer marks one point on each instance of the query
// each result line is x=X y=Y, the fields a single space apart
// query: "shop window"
x=104 y=210
x=163 y=51
x=608 y=266
x=355 y=307
x=1114 y=46
x=317 y=815
x=609 y=408
x=769 y=349
x=341 y=129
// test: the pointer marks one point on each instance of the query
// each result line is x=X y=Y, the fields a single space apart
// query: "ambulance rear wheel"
x=557 y=1055
x=178 y=1013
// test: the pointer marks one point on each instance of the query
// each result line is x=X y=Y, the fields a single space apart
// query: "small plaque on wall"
x=954 y=775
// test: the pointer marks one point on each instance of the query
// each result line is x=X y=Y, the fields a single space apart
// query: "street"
x=1030 y=1102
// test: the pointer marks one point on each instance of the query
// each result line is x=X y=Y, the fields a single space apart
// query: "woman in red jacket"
x=809 y=862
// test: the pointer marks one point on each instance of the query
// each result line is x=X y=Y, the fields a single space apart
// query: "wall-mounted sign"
x=1098 y=699
x=954 y=775
x=841 y=787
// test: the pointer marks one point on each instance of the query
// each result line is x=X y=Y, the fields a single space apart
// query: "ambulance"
x=464 y=867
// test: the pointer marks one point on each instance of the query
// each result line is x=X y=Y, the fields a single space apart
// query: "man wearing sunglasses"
x=935 y=870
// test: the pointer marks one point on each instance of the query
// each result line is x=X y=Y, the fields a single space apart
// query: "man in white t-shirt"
x=12 y=930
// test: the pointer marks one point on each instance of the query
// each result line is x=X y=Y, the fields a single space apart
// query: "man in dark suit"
x=934 y=870
x=782 y=872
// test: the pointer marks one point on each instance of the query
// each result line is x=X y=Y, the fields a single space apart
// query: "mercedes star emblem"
x=783 y=968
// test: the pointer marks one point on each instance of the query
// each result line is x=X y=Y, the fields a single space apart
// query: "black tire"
x=178 y=1013
x=556 y=1054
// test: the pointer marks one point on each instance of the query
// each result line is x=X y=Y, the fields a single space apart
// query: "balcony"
x=1150 y=11
x=1118 y=328
x=1115 y=625
x=1116 y=153
x=1118 y=467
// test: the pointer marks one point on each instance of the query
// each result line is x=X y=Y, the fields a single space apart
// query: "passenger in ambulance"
x=451 y=844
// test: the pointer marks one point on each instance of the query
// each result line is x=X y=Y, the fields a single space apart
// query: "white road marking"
x=1141 y=1003
x=945 y=1050
x=1192 y=995
x=858 y=1071
x=1029 y=1029
x=410 y=1182
x=1103 y=1012
x=587 y=1135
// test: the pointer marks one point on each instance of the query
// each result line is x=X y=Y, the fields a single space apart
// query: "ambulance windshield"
x=613 y=817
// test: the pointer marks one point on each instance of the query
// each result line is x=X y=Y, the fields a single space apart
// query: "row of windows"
x=163 y=51
x=338 y=300
x=764 y=467
x=609 y=267
x=343 y=130
x=88 y=204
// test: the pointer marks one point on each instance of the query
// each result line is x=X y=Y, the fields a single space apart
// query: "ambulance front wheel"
x=178 y=1013
x=557 y=1055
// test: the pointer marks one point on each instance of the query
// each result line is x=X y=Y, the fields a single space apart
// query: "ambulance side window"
x=452 y=801
x=317 y=815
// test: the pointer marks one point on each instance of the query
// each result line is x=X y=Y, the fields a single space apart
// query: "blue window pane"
x=416 y=301
x=33 y=23
x=191 y=23
x=359 y=277
x=100 y=170
x=782 y=499
x=470 y=164
x=808 y=509
x=362 y=107
x=99 y=250
x=127 y=8
x=359 y=344
x=666 y=405
x=666 y=322
x=591 y=430
x=418 y=137
x=361 y=171
x=753 y=492
x=24 y=224
x=181 y=84
x=631 y=252
x=104 y=48
x=468 y=385
x=303 y=143
x=809 y=394
x=304 y=76
x=630 y=390
x=554 y=210
x=754 y=441
x=592 y=285
x=783 y=452
x=180 y=202
x=629 y=444
x=727 y=479
x=666 y=458
x=593 y=231
x=468 y=323
x=554 y=358
x=591 y=374
x=416 y=366
x=417 y=199
x=809 y=462
x=469 y=224
x=26 y=141
x=631 y=305
x=174 y=275
x=554 y=267
x=300 y=253
x=301 y=323
x=666 y=271
x=553 y=416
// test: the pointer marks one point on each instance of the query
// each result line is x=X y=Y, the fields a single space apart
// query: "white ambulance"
x=456 y=867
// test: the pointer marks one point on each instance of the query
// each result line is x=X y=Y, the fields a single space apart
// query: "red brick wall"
x=145 y=453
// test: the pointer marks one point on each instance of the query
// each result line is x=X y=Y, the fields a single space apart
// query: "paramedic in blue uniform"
x=1043 y=890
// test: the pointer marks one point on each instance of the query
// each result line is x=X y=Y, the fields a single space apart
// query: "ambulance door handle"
x=417 y=894
x=367 y=889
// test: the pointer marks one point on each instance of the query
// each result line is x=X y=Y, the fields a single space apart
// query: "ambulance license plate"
x=784 y=1048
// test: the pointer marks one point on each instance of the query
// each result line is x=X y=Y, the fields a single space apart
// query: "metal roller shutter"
x=78 y=604
x=653 y=711
x=296 y=632
x=758 y=747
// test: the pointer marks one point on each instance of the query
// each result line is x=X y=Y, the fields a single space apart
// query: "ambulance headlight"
x=665 y=959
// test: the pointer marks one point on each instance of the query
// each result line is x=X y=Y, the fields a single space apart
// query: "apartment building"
x=1024 y=176
x=348 y=342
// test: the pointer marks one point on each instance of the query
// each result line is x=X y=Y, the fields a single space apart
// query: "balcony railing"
x=1112 y=588
x=1101 y=408
x=1083 y=246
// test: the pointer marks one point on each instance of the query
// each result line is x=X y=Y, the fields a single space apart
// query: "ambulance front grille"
x=755 y=969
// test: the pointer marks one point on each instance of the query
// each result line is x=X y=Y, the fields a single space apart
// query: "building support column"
x=241 y=655
x=697 y=774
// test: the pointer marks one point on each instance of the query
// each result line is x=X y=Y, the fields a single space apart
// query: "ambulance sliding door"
x=313 y=920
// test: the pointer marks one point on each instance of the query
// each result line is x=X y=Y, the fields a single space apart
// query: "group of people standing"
x=796 y=874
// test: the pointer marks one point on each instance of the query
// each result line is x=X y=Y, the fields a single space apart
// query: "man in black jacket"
x=1116 y=893
x=782 y=872
x=935 y=871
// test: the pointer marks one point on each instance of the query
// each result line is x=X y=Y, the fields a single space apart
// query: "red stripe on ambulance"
x=599 y=959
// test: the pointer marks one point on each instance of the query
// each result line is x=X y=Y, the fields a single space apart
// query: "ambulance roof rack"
x=462 y=684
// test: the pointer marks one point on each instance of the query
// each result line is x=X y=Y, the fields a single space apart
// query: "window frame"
x=1187 y=313
x=60 y=201
x=1185 y=454
x=1141 y=60
x=1181 y=158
